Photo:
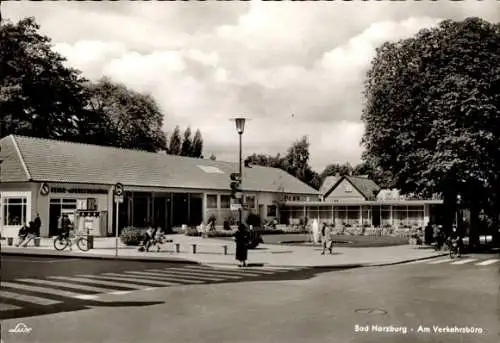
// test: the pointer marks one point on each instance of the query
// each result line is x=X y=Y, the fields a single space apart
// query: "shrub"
x=132 y=235
x=192 y=231
x=220 y=234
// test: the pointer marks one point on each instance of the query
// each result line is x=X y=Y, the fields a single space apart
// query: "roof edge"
x=21 y=158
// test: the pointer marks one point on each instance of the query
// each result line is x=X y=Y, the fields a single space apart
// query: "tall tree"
x=295 y=162
x=432 y=122
x=39 y=96
x=136 y=118
x=336 y=168
x=187 y=143
x=197 y=150
x=174 y=147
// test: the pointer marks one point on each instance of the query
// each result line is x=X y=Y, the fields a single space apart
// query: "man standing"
x=38 y=224
x=326 y=239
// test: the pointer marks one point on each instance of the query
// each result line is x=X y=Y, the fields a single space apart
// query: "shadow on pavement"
x=69 y=306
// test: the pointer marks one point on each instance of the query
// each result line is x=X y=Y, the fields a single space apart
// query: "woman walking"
x=241 y=238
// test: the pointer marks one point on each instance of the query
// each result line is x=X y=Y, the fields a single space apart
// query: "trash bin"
x=90 y=242
x=37 y=241
x=10 y=240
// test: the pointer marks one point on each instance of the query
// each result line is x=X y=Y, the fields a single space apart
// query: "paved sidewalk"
x=211 y=251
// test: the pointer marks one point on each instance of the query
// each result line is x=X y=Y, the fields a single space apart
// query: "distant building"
x=54 y=177
x=356 y=200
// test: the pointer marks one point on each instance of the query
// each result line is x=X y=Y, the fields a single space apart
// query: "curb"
x=405 y=261
x=56 y=254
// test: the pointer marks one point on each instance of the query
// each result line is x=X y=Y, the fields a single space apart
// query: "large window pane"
x=212 y=201
x=225 y=201
x=14 y=210
x=250 y=200
x=271 y=210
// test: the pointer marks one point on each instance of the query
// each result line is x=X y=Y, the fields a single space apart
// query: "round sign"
x=45 y=189
x=118 y=189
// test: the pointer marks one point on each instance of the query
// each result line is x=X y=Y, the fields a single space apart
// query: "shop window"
x=250 y=200
x=212 y=201
x=14 y=210
x=225 y=201
x=271 y=210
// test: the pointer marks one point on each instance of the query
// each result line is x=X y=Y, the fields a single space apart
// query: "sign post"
x=118 y=192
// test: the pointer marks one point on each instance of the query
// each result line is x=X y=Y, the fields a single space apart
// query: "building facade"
x=358 y=201
x=51 y=178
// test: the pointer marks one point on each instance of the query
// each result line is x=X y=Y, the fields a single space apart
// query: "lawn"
x=341 y=240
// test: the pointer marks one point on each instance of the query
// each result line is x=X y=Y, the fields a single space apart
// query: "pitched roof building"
x=54 y=177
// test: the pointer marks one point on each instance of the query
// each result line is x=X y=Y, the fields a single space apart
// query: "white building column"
x=427 y=214
x=204 y=207
x=361 y=215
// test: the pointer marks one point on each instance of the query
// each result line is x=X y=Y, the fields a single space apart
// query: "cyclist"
x=64 y=225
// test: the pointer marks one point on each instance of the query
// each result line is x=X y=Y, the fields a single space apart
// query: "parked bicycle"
x=81 y=240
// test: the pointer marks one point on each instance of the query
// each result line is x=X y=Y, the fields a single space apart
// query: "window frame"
x=25 y=207
x=216 y=201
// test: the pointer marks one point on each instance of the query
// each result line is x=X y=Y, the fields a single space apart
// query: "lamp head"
x=240 y=125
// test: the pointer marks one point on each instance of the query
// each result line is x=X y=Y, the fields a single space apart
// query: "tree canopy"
x=432 y=111
x=39 y=96
x=174 y=146
x=134 y=119
x=187 y=143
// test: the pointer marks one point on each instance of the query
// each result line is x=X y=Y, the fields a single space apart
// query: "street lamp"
x=240 y=128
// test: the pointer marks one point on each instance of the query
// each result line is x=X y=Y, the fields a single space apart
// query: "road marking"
x=230 y=272
x=27 y=298
x=163 y=277
x=487 y=262
x=203 y=272
x=8 y=307
x=195 y=276
x=46 y=261
x=439 y=261
x=148 y=281
x=87 y=296
x=84 y=280
x=66 y=284
x=130 y=279
x=122 y=292
x=97 y=280
x=36 y=289
x=465 y=261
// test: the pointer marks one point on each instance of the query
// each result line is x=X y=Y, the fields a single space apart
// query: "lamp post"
x=240 y=128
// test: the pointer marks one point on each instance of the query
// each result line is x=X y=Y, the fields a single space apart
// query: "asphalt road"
x=416 y=298
x=32 y=286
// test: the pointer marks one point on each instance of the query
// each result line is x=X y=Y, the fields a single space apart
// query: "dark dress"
x=241 y=238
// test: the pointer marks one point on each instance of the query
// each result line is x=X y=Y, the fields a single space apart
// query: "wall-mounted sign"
x=44 y=189
x=78 y=190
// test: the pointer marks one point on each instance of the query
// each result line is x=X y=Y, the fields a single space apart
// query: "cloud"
x=209 y=61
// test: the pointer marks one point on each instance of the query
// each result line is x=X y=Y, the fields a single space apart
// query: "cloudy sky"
x=294 y=68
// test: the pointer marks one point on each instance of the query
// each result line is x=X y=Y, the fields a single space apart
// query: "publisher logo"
x=21 y=328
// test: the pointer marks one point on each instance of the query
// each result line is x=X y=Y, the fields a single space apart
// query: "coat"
x=241 y=238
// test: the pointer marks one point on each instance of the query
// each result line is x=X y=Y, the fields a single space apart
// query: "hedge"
x=132 y=235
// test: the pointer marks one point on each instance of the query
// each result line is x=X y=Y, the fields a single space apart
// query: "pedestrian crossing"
x=477 y=262
x=55 y=290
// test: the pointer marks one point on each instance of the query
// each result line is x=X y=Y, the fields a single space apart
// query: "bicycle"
x=81 y=240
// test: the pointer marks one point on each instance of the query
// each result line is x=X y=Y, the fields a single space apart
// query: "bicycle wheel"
x=60 y=243
x=82 y=244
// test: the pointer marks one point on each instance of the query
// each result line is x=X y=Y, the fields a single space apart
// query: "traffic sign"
x=235 y=206
x=118 y=189
x=119 y=199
